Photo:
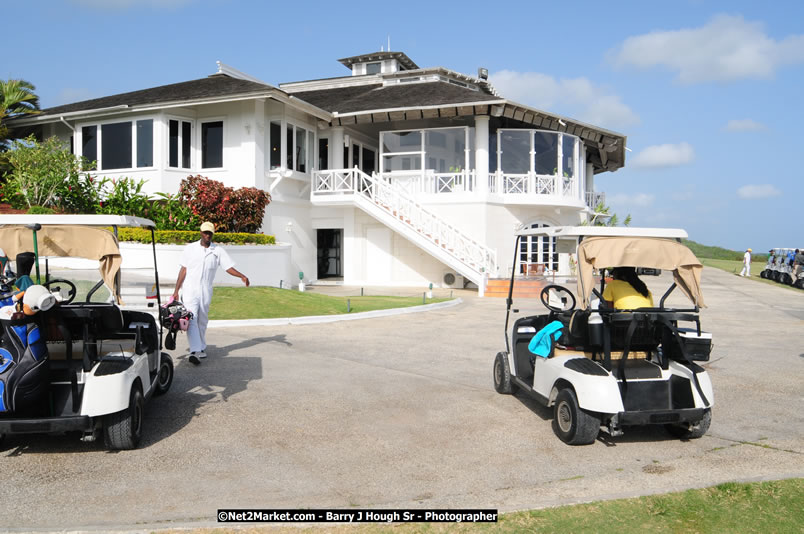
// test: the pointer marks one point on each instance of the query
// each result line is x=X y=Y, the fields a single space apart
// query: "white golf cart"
x=613 y=368
x=102 y=362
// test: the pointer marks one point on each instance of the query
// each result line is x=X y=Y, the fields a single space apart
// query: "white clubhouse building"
x=393 y=175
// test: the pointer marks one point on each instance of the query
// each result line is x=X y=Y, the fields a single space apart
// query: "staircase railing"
x=370 y=193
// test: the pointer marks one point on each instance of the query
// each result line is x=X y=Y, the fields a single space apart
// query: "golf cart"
x=99 y=362
x=605 y=367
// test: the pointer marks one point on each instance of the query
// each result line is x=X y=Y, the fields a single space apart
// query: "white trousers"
x=746 y=270
x=197 y=330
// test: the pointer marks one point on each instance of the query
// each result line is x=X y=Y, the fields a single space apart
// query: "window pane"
x=373 y=68
x=401 y=141
x=402 y=163
x=212 y=144
x=289 y=148
x=116 y=146
x=323 y=154
x=89 y=143
x=346 y=158
x=447 y=148
x=301 y=150
x=567 y=158
x=310 y=151
x=515 y=147
x=545 y=144
x=186 y=137
x=276 y=145
x=356 y=156
x=145 y=143
x=173 y=144
x=493 y=152
x=368 y=161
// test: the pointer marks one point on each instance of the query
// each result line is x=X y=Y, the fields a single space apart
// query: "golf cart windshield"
x=75 y=236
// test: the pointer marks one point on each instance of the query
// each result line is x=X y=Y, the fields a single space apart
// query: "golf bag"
x=174 y=317
x=24 y=365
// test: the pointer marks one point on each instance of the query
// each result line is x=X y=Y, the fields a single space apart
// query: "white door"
x=378 y=255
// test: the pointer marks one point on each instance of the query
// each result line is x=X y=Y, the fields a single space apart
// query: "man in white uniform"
x=746 y=264
x=199 y=263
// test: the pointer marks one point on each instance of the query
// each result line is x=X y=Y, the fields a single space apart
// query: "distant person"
x=799 y=264
x=746 y=263
x=627 y=291
x=199 y=263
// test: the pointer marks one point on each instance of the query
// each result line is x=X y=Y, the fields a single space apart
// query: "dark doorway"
x=329 y=253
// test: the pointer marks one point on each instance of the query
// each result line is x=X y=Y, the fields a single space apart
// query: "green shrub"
x=180 y=237
x=39 y=210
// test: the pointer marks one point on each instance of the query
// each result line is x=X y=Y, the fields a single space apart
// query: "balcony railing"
x=594 y=199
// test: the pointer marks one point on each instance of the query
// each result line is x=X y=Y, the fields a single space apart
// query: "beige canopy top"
x=89 y=242
x=653 y=252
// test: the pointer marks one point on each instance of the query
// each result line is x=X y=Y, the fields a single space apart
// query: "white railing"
x=533 y=184
x=594 y=199
x=432 y=183
x=371 y=193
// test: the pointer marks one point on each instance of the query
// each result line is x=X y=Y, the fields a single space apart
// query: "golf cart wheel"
x=799 y=283
x=763 y=274
x=123 y=430
x=164 y=377
x=786 y=279
x=572 y=424
x=693 y=431
x=502 y=374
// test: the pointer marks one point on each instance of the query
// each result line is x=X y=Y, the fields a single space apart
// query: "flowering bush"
x=229 y=210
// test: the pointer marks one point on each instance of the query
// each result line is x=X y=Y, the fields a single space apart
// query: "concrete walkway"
x=400 y=411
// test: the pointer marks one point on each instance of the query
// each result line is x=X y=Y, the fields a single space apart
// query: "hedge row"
x=180 y=237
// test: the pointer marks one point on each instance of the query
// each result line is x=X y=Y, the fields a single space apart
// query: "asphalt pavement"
x=400 y=411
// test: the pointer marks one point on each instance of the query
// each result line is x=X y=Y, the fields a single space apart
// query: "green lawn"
x=735 y=266
x=761 y=507
x=271 y=302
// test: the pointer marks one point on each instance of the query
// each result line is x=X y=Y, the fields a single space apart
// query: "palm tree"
x=17 y=98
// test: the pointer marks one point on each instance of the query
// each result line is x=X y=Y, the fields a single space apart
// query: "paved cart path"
x=400 y=411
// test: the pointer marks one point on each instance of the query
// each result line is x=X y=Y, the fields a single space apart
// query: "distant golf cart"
x=100 y=363
x=613 y=368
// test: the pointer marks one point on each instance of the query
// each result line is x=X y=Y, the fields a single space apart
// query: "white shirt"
x=746 y=258
x=202 y=264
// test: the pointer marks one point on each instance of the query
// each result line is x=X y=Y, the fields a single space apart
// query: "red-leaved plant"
x=230 y=210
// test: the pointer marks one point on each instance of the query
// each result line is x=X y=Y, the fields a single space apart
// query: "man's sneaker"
x=194 y=358
x=201 y=354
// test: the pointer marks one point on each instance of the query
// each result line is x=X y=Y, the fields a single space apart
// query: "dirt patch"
x=655 y=469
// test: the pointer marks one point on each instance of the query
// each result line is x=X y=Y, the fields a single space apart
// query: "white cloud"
x=667 y=155
x=579 y=96
x=744 y=125
x=758 y=191
x=626 y=200
x=727 y=48
x=119 y=5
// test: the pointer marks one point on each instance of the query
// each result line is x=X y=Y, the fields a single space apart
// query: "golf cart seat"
x=646 y=335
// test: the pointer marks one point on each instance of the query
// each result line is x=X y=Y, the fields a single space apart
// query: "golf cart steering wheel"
x=560 y=294
x=70 y=294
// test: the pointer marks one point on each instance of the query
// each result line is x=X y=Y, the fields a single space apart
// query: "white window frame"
x=199 y=147
x=533 y=245
x=78 y=142
x=310 y=146
x=422 y=148
x=579 y=162
x=180 y=120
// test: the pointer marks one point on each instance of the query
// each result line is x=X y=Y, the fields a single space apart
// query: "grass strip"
x=271 y=302
x=761 y=507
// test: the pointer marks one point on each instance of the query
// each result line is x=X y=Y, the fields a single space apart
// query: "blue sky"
x=707 y=92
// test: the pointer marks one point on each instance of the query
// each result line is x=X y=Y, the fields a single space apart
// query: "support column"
x=482 y=154
x=259 y=144
x=336 y=147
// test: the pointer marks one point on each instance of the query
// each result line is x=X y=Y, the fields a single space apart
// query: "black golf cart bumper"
x=659 y=417
x=45 y=425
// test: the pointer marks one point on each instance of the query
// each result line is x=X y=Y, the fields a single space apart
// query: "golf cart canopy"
x=81 y=236
x=607 y=247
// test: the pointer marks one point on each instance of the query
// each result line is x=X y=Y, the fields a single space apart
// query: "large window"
x=212 y=145
x=179 y=143
x=119 y=145
x=299 y=147
x=537 y=253
x=443 y=150
x=538 y=152
x=275 y=143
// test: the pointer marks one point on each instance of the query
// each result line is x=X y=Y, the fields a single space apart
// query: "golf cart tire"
x=164 y=375
x=502 y=374
x=123 y=429
x=786 y=279
x=799 y=283
x=693 y=431
x=572 y=424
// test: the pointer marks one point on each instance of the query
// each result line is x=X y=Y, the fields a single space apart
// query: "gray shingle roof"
x=371 y=97
x=213 y=86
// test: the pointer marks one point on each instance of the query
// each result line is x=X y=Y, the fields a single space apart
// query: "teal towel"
x=542 y=343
